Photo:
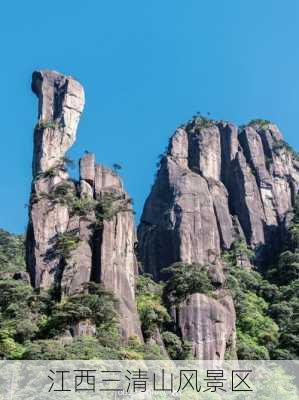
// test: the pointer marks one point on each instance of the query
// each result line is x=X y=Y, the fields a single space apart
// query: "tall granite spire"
x=78 y=231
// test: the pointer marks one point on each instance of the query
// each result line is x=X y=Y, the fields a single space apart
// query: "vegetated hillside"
x=34 y=326
x=12 y=253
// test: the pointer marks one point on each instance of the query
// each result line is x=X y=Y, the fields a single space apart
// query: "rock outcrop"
x=213 y=177
x=78 y=231
x=216 y=183
x=209 y=324
x=60 y=103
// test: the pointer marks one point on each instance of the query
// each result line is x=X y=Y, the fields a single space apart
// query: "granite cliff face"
x=78 y=231
x=61 y=101
x=216 y=183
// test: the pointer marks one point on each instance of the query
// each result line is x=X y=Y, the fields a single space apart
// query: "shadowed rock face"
x=113 y=259
x=103 y=251
x=216 y=183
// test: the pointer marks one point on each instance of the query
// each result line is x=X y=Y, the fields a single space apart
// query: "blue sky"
x=147 y=66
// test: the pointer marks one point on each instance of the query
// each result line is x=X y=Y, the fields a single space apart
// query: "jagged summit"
x=214 y=171
x=215 y=184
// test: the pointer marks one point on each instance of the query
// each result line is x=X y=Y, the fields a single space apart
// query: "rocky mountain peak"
x=214 y=171
x=216 y=183
x=78 y=231
x=60 y=104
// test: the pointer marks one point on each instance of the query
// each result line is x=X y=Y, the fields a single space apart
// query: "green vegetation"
x=153 y=313
x=257 y=333
x=267 y=306
x=50 y=173
x=62 y=165
x=116 y=167
x=94 y=304
x=12 y=253
x=261 y=123
x=66 y=243
x=81 y=348
x=184 y=280
x=156 y=319
x=105 y=207
x=110 y=204
x=280 y=145
x=239 y=254
x=177 y=348
x=62 y=193
x=48 y=124
x=286 y=270
x=21 y=315
x=284 y=308
x=82 y=206
x=34 y=326
x=62 y=190
x=203 y=122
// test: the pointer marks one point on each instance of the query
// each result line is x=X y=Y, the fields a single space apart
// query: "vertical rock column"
x=61 y=101
x=72 y=238
x=78 y=268
x=105 y=252
x=186 y=218
x=114 y=261
x=217 y=183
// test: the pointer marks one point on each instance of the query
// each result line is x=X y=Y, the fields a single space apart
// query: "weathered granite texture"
x=209 y=324
x=216 y=183
x=61 y=101
x=113 y=259
x=210 y=179
x=78 y=231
